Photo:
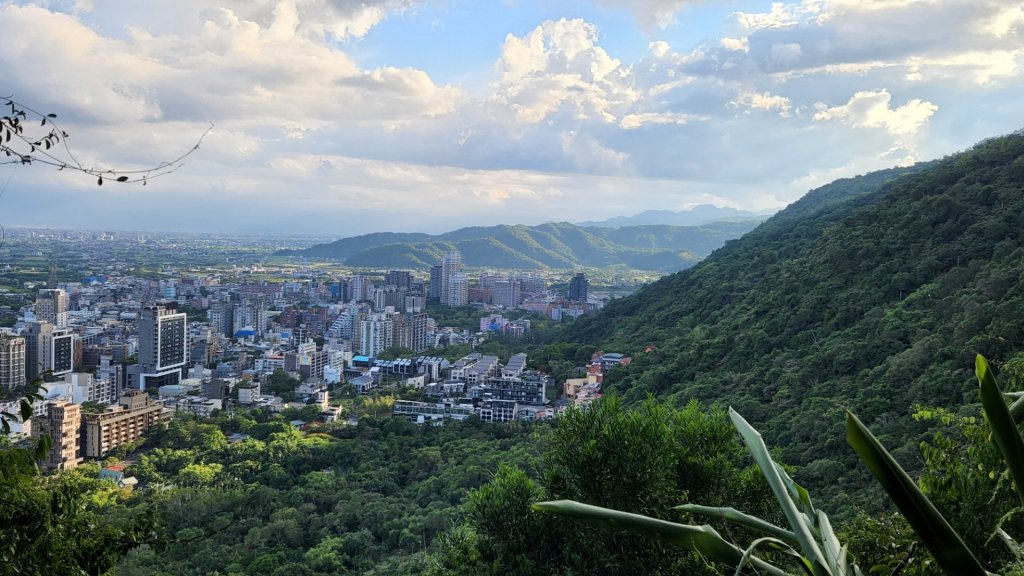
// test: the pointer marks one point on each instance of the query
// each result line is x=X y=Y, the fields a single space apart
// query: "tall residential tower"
x=162 y=345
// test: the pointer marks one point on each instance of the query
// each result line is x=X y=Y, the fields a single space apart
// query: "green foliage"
x=336 y=499
x=396 y=352
x=872 y=293
x=282 y=384
x=643 y=461
x=58 y=524
x=949 y=550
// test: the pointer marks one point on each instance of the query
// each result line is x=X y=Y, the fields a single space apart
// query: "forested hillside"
x=551 y=245
x=366 y=499
x=872 y=293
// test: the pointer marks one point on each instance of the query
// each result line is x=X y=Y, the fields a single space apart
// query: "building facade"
x=579 y=288
x=62 y=423
x=52 y=307
x=454 y=284
x=12 y=362
x=48 y=350
x=163 y=349
x=135 y=413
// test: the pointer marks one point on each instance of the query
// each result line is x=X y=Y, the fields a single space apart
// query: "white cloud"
x=870 y=109
x=735 y=44
x=558 y=67
x=634 y=121
x=763 y=101
x=780 y=16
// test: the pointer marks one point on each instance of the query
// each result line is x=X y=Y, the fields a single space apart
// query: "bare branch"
x=23 y=142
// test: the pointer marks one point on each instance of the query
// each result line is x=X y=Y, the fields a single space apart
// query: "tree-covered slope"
x=341 y=249
x=552 y=245
x=871 y=293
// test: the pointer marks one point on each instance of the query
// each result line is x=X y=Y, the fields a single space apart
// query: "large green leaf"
x=945 y=544
x=704 y=540
x=783 y=490
x=736 y=517
x=1017 y=409
x=1004 y=430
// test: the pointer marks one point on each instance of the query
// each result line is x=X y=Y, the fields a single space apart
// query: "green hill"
x=552 y=245
x=872 y=293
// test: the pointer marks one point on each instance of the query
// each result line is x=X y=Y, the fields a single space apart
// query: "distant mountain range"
x=696 y=216
x=553 y=245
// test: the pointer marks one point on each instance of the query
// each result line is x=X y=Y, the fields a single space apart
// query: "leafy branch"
x=22 y=142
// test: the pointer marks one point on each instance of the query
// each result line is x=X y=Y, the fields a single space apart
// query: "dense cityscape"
x=123 y=348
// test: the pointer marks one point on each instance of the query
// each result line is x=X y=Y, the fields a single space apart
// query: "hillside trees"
x=871 y=293
x=644 y=460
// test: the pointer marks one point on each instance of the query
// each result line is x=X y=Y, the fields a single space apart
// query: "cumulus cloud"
x=558 y=67
x=735 y=44
x=871 y=109
x=763 y=101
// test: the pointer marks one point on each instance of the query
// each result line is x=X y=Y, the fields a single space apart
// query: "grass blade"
x=945 y=544
x=782 y=490
x=704 y=540
x=736 y=517
x=1017 y=409
x=1004 y=431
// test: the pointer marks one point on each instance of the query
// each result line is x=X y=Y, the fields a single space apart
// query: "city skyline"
x=344 y=119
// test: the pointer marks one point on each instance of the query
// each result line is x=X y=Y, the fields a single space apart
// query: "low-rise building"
x=493 y=410
x=421 y=412
x=135 y=413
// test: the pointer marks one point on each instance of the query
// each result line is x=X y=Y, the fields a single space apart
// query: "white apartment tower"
x=12 y=361
x=162 y=345
x=52 y=307
x=375 y=334
x=451 y=267
x=457 y=291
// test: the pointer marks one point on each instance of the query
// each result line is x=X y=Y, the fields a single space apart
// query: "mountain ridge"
x=695 y=216
x=553 y=245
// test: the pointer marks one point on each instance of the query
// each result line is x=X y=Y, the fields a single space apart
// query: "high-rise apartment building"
x=579 y=287
x=162 y=345
x=451 y=267
x=62 y=422
x=251 y=314
x=457 y=292
x=48 y=349
x=436 y=272
x=507 y=293
x=375 y=334
x=410 y=331
x=398 y=278
x=12 y=361
x=222 y=316
x=361 y=288
x=52 y=307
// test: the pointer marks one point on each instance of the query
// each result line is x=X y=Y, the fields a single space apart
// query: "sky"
x=343 y=117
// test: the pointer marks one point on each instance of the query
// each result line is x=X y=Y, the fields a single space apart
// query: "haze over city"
x=350 y=117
